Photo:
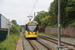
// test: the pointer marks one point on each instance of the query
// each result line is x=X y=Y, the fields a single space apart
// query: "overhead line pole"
x=8 y=30
x=59 y=29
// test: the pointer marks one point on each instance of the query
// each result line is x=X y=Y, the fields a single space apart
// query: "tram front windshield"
x=32 y=28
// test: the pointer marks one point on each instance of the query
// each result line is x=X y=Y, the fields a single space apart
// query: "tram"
x=31 y=29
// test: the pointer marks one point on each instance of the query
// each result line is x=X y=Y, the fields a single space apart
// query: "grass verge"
x=12 y=42
x=53 y=36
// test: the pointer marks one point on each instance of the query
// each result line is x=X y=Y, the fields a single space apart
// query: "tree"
x=48 y=21
x=45 y=21
x=67 y=11
x=40 y=15
x=14 y=22
x=14 y=29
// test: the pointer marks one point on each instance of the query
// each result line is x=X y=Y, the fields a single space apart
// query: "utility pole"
x=8 y=34
x=59 y=29
x=8 y=30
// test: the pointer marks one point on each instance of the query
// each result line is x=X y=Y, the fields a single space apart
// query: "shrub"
x=15 y=29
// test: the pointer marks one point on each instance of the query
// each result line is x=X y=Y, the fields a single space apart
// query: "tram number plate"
x=32 y=23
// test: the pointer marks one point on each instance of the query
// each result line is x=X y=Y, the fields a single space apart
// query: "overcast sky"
x=20 y=9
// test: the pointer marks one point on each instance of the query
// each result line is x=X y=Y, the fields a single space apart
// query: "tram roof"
x=31 y=22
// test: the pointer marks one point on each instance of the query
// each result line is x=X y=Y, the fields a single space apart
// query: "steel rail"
x=53 y=41
x=57 y=40
x=50 y=40
x=44 y=45
x=32 y=44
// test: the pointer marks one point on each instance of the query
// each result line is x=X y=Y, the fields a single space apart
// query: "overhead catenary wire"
x=35 y=2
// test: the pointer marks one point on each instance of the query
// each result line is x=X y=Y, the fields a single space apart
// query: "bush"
x=12 y=42
x=15 y=29
x=73 y=24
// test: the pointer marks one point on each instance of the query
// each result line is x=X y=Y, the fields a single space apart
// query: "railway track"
x=64 y=44
x=35 y=47
x=34 y=44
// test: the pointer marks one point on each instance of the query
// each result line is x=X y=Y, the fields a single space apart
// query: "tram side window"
x=37 y=27
x=26 y=27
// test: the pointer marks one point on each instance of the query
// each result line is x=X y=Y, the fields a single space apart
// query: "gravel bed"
x=68 y=40
x=40 y=47
x=47 y=42
x=26 y=44
x=50 y=44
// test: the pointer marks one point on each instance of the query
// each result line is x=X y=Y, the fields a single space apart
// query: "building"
x=4 y=26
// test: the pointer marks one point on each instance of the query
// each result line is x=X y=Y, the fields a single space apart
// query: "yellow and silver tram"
x=31 y=29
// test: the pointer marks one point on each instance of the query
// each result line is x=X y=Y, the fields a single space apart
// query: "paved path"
x=19 y=44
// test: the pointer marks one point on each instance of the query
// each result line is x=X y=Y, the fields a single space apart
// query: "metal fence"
x=3 y=35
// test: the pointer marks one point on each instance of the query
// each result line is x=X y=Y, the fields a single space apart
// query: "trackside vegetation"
x=12 y=43
x=50 y=18
x=53 y=35
x=14 y=29
x=14 y=36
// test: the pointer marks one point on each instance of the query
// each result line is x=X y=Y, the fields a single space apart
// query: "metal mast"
x=59 y=29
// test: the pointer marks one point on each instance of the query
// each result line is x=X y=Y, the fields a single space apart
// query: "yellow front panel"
x=31 y=34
